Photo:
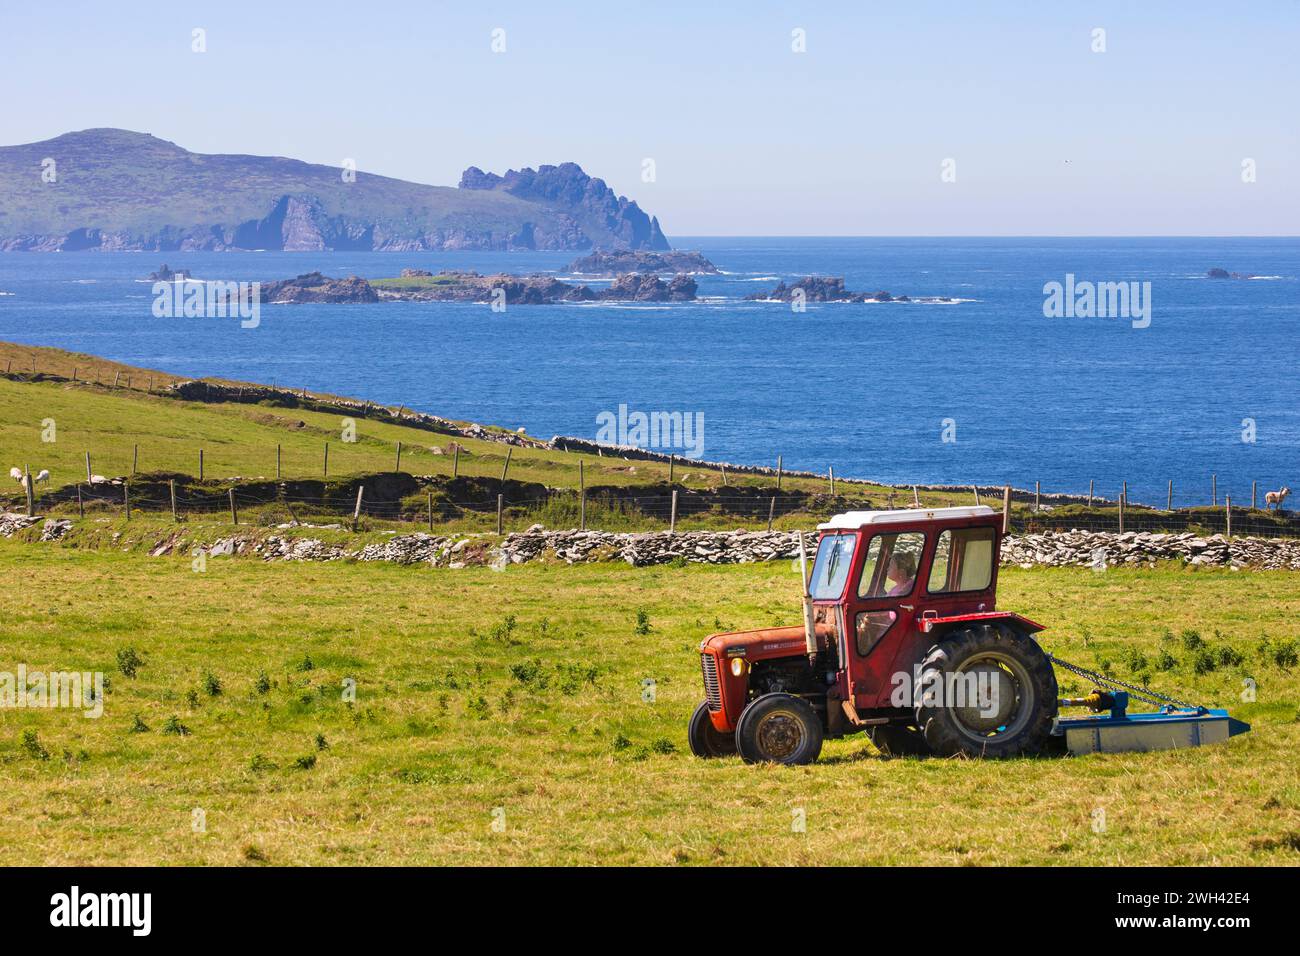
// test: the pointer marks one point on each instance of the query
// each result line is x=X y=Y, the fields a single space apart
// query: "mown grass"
x=523 y=693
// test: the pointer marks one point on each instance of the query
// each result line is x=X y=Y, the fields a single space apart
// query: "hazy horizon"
x=936 y=120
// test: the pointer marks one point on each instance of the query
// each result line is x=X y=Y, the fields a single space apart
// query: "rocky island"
x=831 y=289
x=166 y=274
x=1217 y=273
x=419 y=285
x=601 y=263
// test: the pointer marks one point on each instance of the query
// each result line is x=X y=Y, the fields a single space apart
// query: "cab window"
x=831 y=569
x=963 y=561
x=891 y=565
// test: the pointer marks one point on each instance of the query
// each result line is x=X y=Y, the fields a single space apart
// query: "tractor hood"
x=765 y=643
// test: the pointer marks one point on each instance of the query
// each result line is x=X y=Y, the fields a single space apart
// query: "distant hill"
x=115 y=189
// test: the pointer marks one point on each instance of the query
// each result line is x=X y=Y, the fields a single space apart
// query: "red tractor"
x=902 y=639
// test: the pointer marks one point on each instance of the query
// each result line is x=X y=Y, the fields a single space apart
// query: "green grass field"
x=506 y=716
x=518 y=698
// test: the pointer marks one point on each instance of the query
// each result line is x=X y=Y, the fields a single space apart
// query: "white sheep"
x=16 y=474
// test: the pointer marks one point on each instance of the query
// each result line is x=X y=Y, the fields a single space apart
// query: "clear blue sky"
x=748 y=138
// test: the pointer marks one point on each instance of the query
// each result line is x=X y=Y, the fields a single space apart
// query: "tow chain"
x=1135 y=690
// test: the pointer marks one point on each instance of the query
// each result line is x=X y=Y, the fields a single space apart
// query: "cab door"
x=881 y=616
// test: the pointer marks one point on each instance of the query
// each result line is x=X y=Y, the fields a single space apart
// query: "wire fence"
x=400 y=500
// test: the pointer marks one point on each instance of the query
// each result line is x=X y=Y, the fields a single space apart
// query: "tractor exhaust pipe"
x=809 y=629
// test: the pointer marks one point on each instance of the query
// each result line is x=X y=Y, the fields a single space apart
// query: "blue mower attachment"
x=1172 y=726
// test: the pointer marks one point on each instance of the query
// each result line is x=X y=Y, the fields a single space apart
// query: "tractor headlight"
x=737 y=666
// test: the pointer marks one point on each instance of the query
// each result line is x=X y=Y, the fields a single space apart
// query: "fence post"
x=356 y=512
x=277 y=462
x=1006 y=509
x=87 y=467
x=501 y=507
x=724 y=476
x=1037 y=495
x=916 y=498
x=506 y=467
x=234 y=511
x=326 y=471
x=399 y=457
x=171 y=486
x=135 y=458
x=771 y=510
x=1091 y=483
x=430 y=498
x=779 y=469
x=672 y=463
x=672 y=517
x=1254 y=491
x=1169 y=504
x=27 y=485
x=115 y=378
x=1227 y=507
x=582 y=498
x=126 y=498
x=455 y=459
x=81 y=508
x=830 y=470
x=1123 y=495
x=1214 y=489
x=200 y=464
x=976 y=489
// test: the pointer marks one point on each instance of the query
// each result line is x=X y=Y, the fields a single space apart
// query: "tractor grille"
x=712 y=692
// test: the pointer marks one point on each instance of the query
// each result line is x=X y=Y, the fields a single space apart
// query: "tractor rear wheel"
x=893 y=740
x=706 y=740
x=986 y=691
x=779 y=728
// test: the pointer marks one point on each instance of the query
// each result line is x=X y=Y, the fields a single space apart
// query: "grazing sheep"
x=42 y=475
x=1276 y=498
x=16 y=474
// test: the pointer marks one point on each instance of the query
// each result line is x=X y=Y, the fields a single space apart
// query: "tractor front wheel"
x=779 y=728
x=986 y=691
x=706 y=740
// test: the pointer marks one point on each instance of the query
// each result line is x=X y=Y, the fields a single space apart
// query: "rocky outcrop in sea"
x=314 y=287
x=831 y=289
x=655 y=263
x=419 y=285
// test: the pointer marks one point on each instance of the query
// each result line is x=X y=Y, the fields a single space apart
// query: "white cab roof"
x=852 y=520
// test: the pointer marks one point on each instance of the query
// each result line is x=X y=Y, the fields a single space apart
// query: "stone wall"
x=1074 y=548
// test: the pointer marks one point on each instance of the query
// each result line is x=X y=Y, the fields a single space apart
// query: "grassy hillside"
x=126 y=423
x=156 y=194
x=520 y=696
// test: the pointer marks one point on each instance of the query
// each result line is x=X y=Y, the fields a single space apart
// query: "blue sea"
x=866 y=388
